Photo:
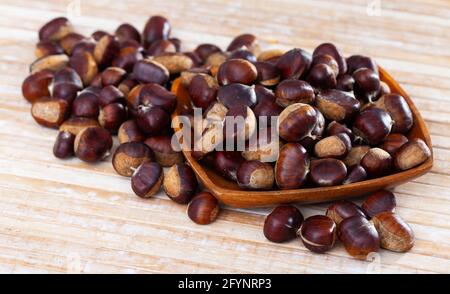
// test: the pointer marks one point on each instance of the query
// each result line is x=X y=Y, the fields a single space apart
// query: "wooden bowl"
x=230 y=194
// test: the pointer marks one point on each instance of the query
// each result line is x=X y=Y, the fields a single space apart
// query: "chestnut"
x=282 y=223
x=127 y=57
x=156 y=28
x=292 y=167
x=110 y=94
x=373 y=125
x=227 y=163
x=412 y=154
x=395 y=234
x=180 y=183
x=165 y=154
x=152 y=120
x=86 y=45
x=160 y=47
x=327 y=60
x=147 y=179
x=331 y=50
x=49 y=112
x=399 y=110
x=69 y=41
x=215 y=60
x=86 y=105
x=203 y=90
x=289 y=92
x=66 y=85
x=377 y=162
x=337 y=105
x=266 y=106
x=318 y=233
x=75 y=125
x=157 y=95
x=367 y=84
x=356 y=173
x=355 y=155
x=337 y=146
x=187 y=76
x=36 y=86
x=127 y=85
x=237 y=71
x=255 y=175
x=270 y=55
x=294 y=63
x=84 y=64
x=244 y=41
x=345 y=83
x=150 y=71
x=45 y=48
x=328 y=172
x=237 y=94
x=129 y=132
x=356 y=62
x=393 y=142
x=63 y=147
x=97 y=35
x=243 y=54
x=359 y=236
x=316 y=134
x=128 y=156
x=343 y=209
x=113 y=76
x=296 y=122
x=105 y=51
x=384 y=89
x=322 y=76
x=203 y=208
x=50 y=62
x=175 y=63
x=55 y=29
x=93 y=144
x=335 y=128
x=196 y=60
x=268 y=73
x=378 y=202
x=112 y=116
x=205 y=50
x=126 y=32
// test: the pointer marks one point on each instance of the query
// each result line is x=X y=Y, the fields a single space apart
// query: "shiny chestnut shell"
x=282 y=223
x=318 y=233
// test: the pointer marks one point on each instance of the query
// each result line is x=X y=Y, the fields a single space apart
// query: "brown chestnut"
x=36 y=86
x=343 y=209
x=150 y=71
x=165 y=154
x=205 y=50
x=337 y=105
x=282 y=223
x=244 y=41
x=268 y=73
x=237 y=71
x=86 y=105
x=156 y=28
x=175 y=63
x=235 y=94
x=378 y=202
x=86 y=45
x=327 y=60
x=152 y=120
x=147 y=179
x=105 y=51
x=227 y=163
x=215 y=60
x=112 y=116
x=266 y=106
x=97 y=35
x=129 y=156
x=203 y=208
x=130 y=132
x=355 y=155
x=110 y=94
x=296 y=122
x=243 y=54
x=318 y=233
x=395 y=234
x=412 y=154
x=289 y=92
x=399 y=110
x=196 y=60
x=113 y=76
x=45 y=48
x=63 y=147
x=331 y=50
x=359 y=236
x=55 y=29
x=316 y=134
x=203 y=90
x=356 y=173
x=127 y=57
x=322 y=76
x=292 y=167
x=294 y=63
x=335 y=128
x=345 y=83
x=69 y=41
x=393 y=142
x=180 y=183
x=158 y=96
x=356 y=62
x=160 y=47
x=384 y=89
x=93 y=144
x=49 y=112
x=377 y=163
x=84 y=64
x=328 y=172
x=255 y=175
x=367 y=84
x=127 y=85
x=51 y=62
x=270 y=55
x=373 y=125
x=75 y=125
x=337 y=146
x=66 y=84
x=126 y=32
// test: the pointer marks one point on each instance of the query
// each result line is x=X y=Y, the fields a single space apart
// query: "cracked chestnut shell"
x=318 y=233
x=282 y=223
x=180 y=183
x=147 y=179
x=129 y=156
x=343 y=209
x=292 y=167
x=93 y=144
x=359 y=236
x=203 y=208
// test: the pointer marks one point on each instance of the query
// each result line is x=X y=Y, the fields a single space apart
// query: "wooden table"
x=68 y=216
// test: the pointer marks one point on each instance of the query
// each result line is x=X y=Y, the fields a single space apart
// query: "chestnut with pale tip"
x=130 y=132
x=367 y=84
x=205 y=50
x=175 y=63
x=331 y=50
x=412 y=154
x=356 y=173
x=255 y=175
x=395 y=234
x=147 y=179
x=36 y=86
x=56 y=29
x=165 y=154
x=203 y=208
x=337 y=146
x=378 y=202
x=318 y=233
x=63 y=147
x=290 y=91
x=237 y=71
x=53 y=63
x=399 y=110
x=113 y=76
x=112 y=116
x=75 y=125
x=227 y=163
x=328 y=172
x=393 y=142
x=268 y=74
x=343 y=209
x=292 y=166
x=335 y=128
x=359 y=236
x=246 y=41
x=355 y=155
x=106 y=50
x=337 y=105
x=377 y=163
x=129 y=156
x=84 y=64
x=50 y=112
x=294 y=63
x=282 y=223
x=296 y=122
x=180 y=183
x=66 y=85
x=93 y=144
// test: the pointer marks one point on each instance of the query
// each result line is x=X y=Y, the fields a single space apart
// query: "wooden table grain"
x=68 y=216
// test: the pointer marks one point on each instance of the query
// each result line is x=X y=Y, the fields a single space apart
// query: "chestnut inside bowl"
x=231 y=194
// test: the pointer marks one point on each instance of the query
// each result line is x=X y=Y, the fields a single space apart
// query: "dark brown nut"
x=130 y=132
x=356 y=62
x=318 y=233
x=50 y=62
x=99 y=34
x=92 y=89
x=112 y=116
x=327 y=60
x=384 y=89
x=372 y=125
x=129 y=156
x=262 y=146
x=321 y=76
x=226 y=163
x=378 y=202
x=215 y=60
x=85 y=65
x=289 y=92
x=152 y=120
x=343 y=209
x=240 y=124
x=345 y=83
x=244 y=41
x=316 y=134
x=330 y=49
x=126 y=32
x=359 y=236
x=237 y=71
x=131 y=44
x=36 y=86
x=127 y=85
x=203 y=90
x=156 y=95
x=49 y=112
x=46 y=48
x=86 y=105
x=399 y=110
x=150 y=71
x=271 y=55
x=110 y=94
x=237 y=94
x=93 y=144
x=367 y=84
x=180 y=183
x=147 y=179
x=66 y=84
x=127 y=58
x=255 y=175
x=97 y=81
x=268 y=73
x=55 y=29
x=393 y=142
x=196 y=60
x=75 y=125
x=336 y=146
x=161 y=47
x=165 y=154
x=282 y=223
x=203 y=208
x=395 y=234
x=187 y=76
x=175 y=63
x=113 y=76
x=266 y=106
x=70 y=41
x=292 y=167
x=356 y=173
x=156 y=28
x=412 y=154
x=105 y=51
x=63 y=147
x=296 y=122
x=337 y=105
x=205 y=50
x=377 y=163
x=243 y=54
x=294 y=64
x=335 y=128
x=86 y=45
x=355 y=155
x=328 y=172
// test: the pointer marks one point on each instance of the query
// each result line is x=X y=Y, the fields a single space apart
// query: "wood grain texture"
x=68 y=216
